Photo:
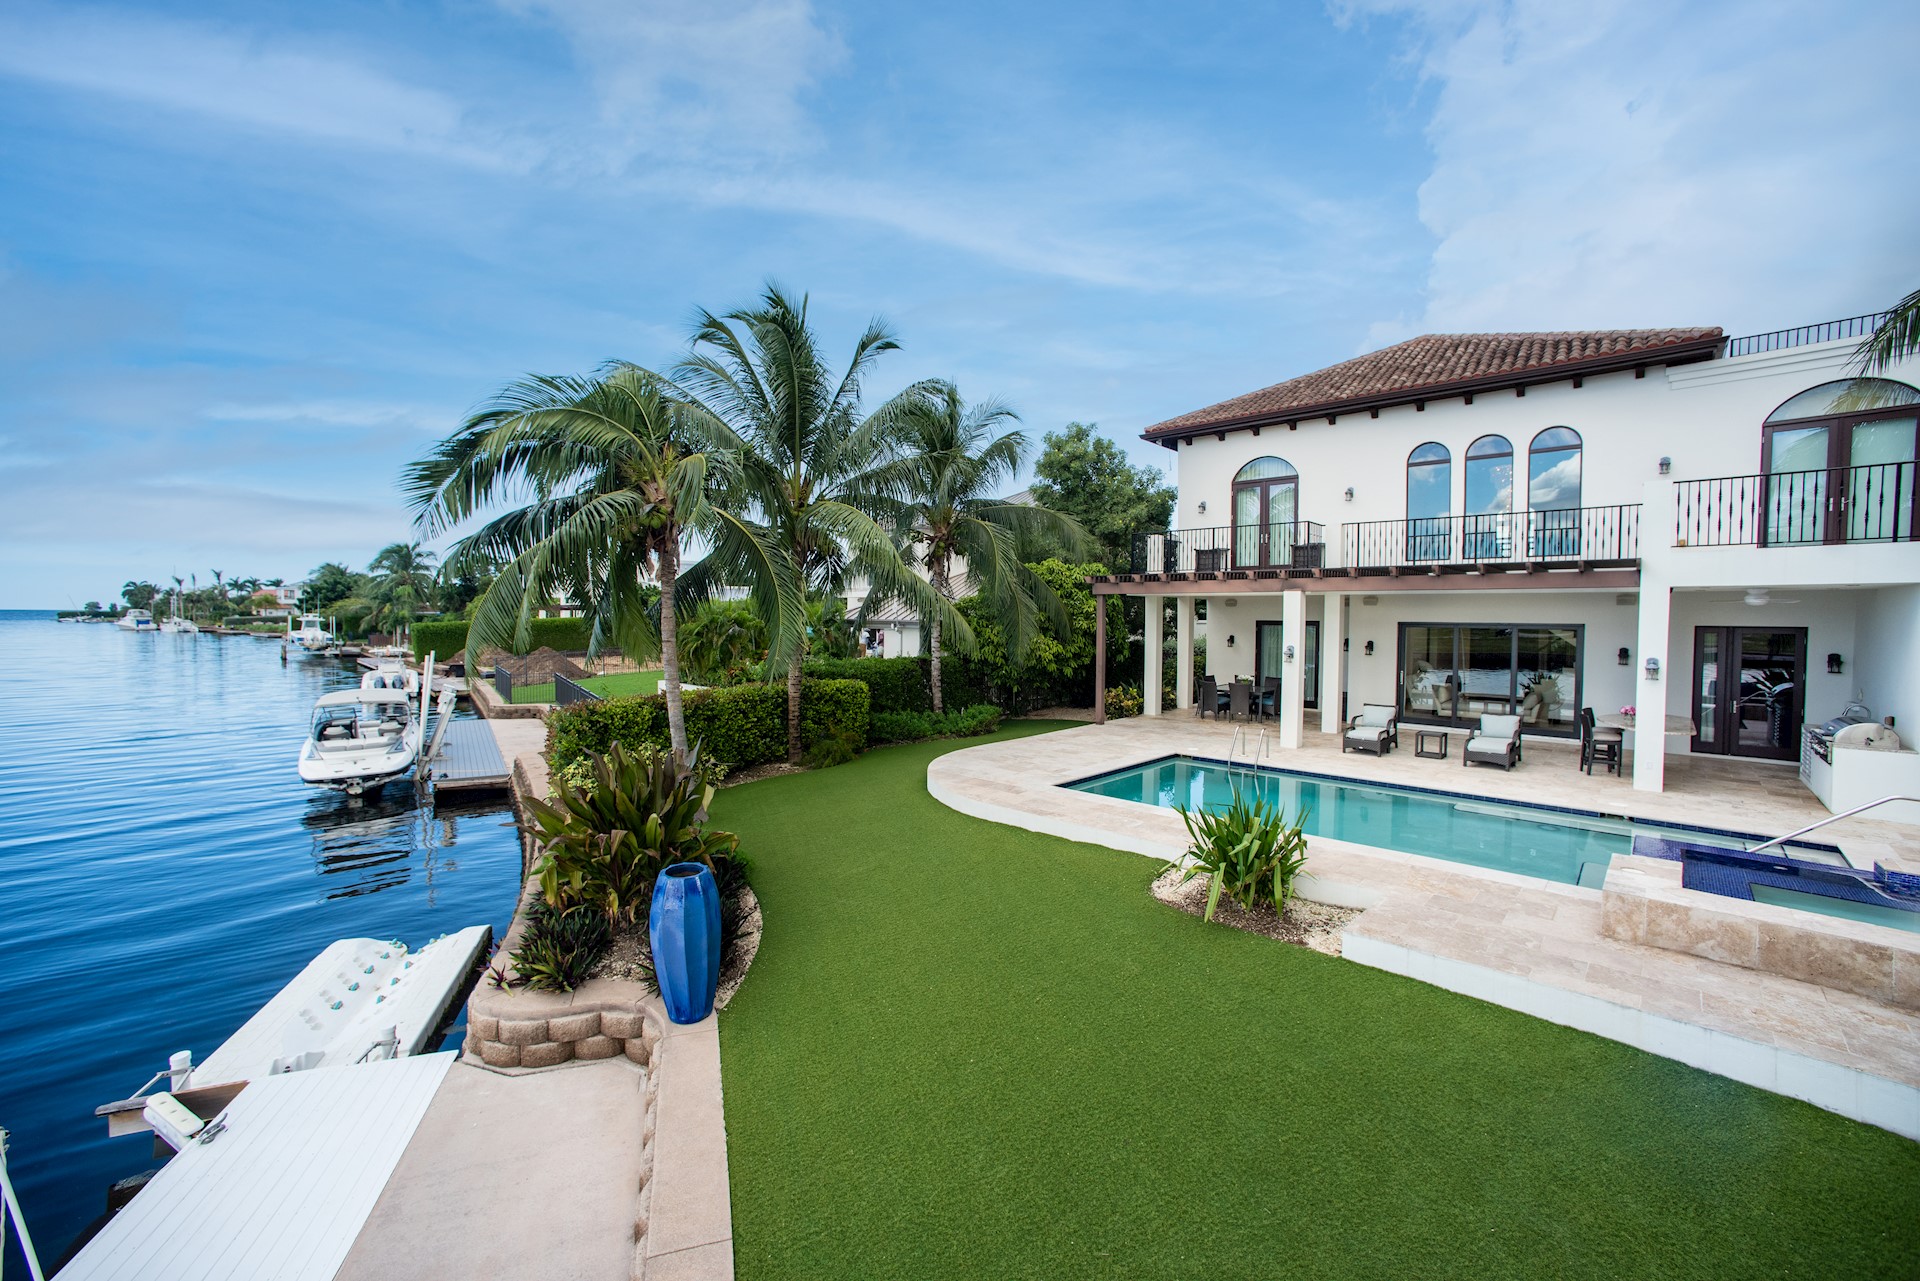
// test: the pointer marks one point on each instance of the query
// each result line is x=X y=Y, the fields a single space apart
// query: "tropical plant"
x=1896 y=338
x=910 y=727
x=954 y=465
x=1056 y=667
x=399 y=586
x=583 y=776
x=617 y=473
x=723 y=643
x=1124 y=701
x=139 y=594
x=602 y=846
x=813 y=470
x=327 y=586
x=832 y=749
x=560 y=946
x=1248 y=851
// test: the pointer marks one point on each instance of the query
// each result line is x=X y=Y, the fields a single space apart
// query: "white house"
x=1539 y=523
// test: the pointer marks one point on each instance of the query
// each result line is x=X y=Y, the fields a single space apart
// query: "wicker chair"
x=1206 y=699
x=1374 y=730
x=1496 y=742
x=1240 y=699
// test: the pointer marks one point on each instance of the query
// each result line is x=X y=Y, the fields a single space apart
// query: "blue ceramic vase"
x=684 y=929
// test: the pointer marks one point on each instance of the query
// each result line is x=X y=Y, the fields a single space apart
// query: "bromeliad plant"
x=1248 y=850
x=603 y=844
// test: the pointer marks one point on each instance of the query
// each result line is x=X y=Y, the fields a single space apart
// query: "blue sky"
x=254 y=257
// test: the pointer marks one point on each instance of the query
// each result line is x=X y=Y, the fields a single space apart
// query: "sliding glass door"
x=1455 y=673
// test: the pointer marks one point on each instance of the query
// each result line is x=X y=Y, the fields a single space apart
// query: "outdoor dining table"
x=1616 y=720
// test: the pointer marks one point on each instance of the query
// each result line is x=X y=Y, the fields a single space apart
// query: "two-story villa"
x=1665 y=520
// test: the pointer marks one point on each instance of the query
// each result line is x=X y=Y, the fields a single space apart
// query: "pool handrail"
x=1831 y=818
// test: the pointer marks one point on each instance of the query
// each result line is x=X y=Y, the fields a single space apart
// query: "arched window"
x=1859 y=434
x=1266 y=510
x=1553 y=493
x=1429 y=502
x=1489 y=510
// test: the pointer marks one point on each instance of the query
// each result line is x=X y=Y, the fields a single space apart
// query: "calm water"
x=1555 y=846
x=163 y=872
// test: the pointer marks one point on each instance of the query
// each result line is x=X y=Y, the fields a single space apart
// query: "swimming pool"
x=1568 y=846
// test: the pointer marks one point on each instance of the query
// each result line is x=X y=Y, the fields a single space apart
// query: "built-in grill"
x=1819 y=740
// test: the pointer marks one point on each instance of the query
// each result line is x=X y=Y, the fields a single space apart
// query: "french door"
x=1749 y=691
x=1265 y=520
x=1847 y=480
x=1269 y=659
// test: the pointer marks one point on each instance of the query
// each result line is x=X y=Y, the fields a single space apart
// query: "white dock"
x=283 y=1191
x=469 y=759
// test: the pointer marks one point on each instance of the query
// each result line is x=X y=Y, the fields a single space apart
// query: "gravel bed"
x=1308 y=924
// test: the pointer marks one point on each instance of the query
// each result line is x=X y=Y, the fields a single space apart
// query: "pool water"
x=1553 y=845
x=1828 y=905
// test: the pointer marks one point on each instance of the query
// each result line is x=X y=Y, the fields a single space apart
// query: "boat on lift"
x=136 y=620
x=361 y=738
x=309 y=632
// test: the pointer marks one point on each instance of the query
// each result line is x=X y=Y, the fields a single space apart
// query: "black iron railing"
x=1871 y=504
x=566 y=692
x=1806 y=335
x=503 y=682
x=1583 y=534
x=1300 y=544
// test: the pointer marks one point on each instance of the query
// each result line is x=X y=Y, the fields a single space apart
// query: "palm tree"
x=953 y=465
x=1897 y=337
x=812 y=469
x=616 y=473
x=402 y=579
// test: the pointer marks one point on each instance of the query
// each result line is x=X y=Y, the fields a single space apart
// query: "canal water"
x=163 y=871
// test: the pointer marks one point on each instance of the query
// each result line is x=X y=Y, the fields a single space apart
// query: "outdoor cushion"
x=1499 y=727
x=1375 y=715
x=1368 y=733
x=1492 y=746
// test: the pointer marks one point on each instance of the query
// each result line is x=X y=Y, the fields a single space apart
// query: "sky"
x=255 y=257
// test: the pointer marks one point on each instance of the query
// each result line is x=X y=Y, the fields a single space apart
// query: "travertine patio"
x=1514 y=940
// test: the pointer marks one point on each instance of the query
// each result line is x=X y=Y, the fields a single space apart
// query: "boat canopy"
x=350 y=697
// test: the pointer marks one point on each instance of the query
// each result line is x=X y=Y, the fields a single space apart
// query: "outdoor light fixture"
x=1833 y=663
x=1666 y=465
x=1289 y=654
x=1369 y=649
x=1349 y=493
x=1203 y=506
x=1346 y=644
x=1653 y=669
x=1625 y=658
x=1229 y=640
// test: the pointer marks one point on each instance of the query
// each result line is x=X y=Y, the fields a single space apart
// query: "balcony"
x=1231 y=551
x=1839 y=505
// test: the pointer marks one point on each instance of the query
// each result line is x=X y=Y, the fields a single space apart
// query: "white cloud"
x=336 y=413
x=1623 y=164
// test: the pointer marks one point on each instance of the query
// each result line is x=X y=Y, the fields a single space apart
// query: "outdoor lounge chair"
x=1496 y=742
x=1373 y=730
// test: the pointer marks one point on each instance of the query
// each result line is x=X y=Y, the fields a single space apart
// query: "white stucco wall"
x=1885 y=662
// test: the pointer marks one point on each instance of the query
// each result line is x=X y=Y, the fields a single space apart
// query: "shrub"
x=905 y=684
x=981 y=718
x=559 y=948
x=603 y=848
x=1249 y=850
x=1056 y=669
x=900 y=727
x=831 y=750
x=740 y=726
x=448 y=636
x=1124 y=702
x=581 y=774
x=911 y=727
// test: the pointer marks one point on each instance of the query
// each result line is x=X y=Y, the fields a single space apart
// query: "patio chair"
x=1206 y=700
x=1496 y=742
x=1374 y=730
x=1602 y=746
x=1269 y=704
x=1240 y=699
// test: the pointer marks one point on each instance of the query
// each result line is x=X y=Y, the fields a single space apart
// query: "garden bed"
x=630 y=959
x=1306 y=923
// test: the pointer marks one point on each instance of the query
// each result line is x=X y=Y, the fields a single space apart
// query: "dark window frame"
x=1457 y=721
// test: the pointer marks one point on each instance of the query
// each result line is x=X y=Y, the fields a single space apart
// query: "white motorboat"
x=180 y=626
x=309 y=632
x=361 y=738
x=392 y=674
x=136 y=620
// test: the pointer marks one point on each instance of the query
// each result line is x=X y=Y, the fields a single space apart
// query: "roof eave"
x=1685 y=353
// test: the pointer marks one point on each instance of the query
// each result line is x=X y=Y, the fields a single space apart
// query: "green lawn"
x=618 y=685
x=971 y=1051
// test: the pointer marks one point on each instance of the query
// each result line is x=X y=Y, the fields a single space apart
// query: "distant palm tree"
x=810 y=467
x=949 y=477
x=400 y=586
x=618 y=472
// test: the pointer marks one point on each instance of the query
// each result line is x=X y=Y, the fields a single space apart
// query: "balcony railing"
x=1249 y=549
x=1870 y=504
x=1806 y=335
x=1604 y=535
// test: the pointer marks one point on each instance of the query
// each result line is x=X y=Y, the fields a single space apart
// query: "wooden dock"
x=469 y=759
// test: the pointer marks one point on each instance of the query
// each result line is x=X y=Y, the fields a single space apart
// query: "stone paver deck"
x=1529 y=944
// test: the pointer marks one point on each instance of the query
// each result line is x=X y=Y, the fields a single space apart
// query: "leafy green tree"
x=1082 y=474
x=956 y=461
x=618 y=472
x=812 y=469
x=327 y=586
x=722 y=641
x=139 y=594
x=1055 y=666
x=399 y=586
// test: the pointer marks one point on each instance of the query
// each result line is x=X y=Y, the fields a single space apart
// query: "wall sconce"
x=1369 y=649
x=1288 y=656
x=1229 y=640
x=1625 y=657
x=1349 y=493
x=1666 y=466
x=1833 y=664
x=1203 y=507
x=1653 y=669
x=1346 y=644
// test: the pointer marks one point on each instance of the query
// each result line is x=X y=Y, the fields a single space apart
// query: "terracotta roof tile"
x=1430 y=362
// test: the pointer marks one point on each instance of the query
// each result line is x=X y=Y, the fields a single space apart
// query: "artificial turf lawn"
x=618 y=685
x=966 y=1050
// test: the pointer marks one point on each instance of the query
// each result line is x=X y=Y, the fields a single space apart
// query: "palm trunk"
x=933 y=634
x=669 y=564
x=793 y=708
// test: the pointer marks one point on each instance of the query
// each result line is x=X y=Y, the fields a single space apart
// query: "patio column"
x=1650 y=696
x=1099 y=659
x=1183 y=652
x=1151 y=678
x=1293 y=688
x=1333 y=659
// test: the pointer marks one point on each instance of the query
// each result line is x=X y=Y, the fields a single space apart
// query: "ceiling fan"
x=1758 y=596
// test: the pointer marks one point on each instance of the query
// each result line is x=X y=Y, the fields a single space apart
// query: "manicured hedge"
x=447 y=637
x=741 y=725
x=905 y=684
